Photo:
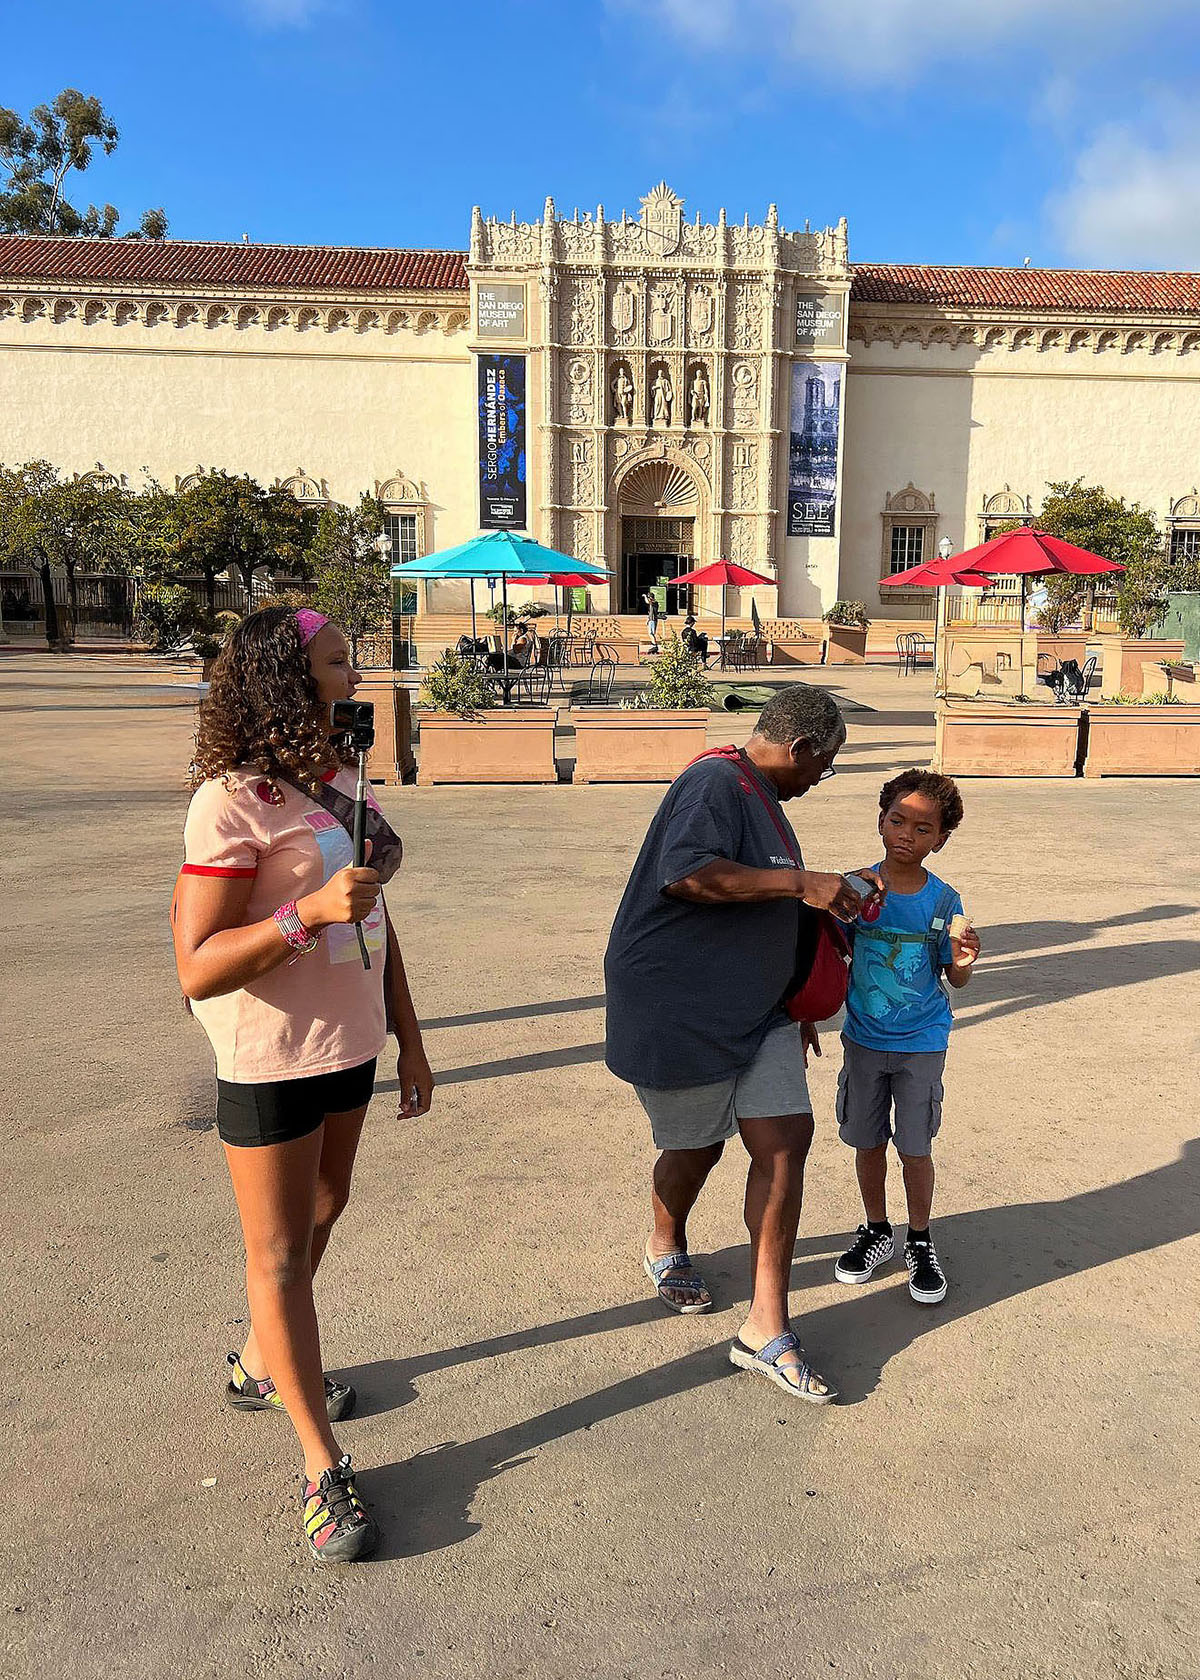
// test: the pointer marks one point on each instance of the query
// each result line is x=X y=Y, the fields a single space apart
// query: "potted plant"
x=846 y=625
x=466 y=737
x=1158 y=735
x=651 y=738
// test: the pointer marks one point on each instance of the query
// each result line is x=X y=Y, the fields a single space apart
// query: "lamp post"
x=383 y=547
x=945 y=550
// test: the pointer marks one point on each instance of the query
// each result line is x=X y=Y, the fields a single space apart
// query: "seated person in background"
x=523 y=650
x=694 y=640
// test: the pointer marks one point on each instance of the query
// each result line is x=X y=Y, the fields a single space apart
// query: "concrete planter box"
x=391 y=759
x=613 y=744
x=1016 y=740
x=845 y=644
x=503 y=745
x=1143 y=741
x=796 y=653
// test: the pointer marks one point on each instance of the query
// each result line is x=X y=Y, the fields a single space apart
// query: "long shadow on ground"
x=992 y=1255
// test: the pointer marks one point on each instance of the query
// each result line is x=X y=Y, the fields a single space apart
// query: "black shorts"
x=249 y=1116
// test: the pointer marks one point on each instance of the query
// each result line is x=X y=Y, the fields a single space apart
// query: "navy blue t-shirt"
x=693 y=988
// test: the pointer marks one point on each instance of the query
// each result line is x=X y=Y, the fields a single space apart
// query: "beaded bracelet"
x=300 y=938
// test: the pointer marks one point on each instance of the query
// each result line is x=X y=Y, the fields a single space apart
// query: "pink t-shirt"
x=324 y=1011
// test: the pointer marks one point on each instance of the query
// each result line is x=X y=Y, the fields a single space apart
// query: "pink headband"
x=308 y=623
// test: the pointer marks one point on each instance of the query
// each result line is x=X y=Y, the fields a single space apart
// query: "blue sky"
x=964 y=131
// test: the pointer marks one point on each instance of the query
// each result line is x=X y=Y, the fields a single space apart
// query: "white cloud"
x=1134 y=199
x=880 y=41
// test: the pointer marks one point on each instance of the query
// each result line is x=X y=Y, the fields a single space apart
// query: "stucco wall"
x=348 y=409
x=963 y=423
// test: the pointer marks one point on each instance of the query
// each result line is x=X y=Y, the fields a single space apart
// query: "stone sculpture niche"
x=699 y=396
x=622 y=394
x=662 y=397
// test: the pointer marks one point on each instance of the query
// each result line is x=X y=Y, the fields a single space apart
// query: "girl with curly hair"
x=267 y=953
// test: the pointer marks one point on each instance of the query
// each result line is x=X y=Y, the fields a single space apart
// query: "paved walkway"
x=573 y=1483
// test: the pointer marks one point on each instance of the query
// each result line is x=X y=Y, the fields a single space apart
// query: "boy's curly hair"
x=262 y=711
x=943 y=792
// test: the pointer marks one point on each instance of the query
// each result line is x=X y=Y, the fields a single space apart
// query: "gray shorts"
x=701 y=1115
x=886 y=1094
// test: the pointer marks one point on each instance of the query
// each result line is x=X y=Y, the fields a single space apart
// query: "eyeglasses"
x=826 y=773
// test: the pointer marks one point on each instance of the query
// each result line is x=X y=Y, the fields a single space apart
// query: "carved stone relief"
x=623 y=310
x=578 y=395
x=743 y=381
x=747 y=317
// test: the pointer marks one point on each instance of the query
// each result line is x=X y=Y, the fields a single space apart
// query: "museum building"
x=648 y=392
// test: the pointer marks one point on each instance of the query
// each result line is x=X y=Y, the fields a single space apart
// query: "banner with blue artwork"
x=502 y=443
x=813 y=451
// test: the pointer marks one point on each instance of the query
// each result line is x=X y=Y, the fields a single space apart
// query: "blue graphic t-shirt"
x=896 y=1000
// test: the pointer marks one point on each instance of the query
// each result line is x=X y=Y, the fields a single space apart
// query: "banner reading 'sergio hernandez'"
x=813 y=451
x=501 y=443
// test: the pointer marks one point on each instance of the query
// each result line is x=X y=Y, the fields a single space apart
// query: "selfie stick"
x=360 y=838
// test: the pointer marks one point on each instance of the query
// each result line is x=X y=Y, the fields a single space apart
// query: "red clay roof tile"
x=187 y=262
x=1065 y=290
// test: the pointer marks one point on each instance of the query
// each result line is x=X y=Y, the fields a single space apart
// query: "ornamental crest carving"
x=662 y=218
x=624 y=307
x=662 y=315
x=704 y=312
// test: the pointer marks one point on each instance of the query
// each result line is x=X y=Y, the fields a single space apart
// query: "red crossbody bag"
x=821 y=979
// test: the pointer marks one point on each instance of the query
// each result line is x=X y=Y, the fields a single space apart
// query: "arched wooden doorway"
x=658 y=507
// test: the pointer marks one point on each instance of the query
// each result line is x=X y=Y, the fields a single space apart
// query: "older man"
x=700 y=956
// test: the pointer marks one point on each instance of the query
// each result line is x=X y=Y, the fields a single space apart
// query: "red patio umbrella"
x=724 y=573
x=1027 y=553
x=563 y=581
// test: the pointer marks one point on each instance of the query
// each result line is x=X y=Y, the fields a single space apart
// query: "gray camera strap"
x=387 y=848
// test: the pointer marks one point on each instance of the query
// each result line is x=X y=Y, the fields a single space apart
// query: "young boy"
x=898 y=1026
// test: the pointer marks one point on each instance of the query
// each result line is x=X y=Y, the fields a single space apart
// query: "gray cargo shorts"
x=701 y=1115
x=886 y=1094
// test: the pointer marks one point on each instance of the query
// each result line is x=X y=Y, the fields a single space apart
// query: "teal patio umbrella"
x=496 y=554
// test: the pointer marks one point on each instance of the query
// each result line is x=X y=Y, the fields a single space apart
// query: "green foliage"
x=455 y=684
x=850 y=613
x=38 y=152
x=226 y=521
x=677 y=680
x=500 y=614
x=1084 y=514
x=1146 y=700
x=166 y=618
x=351 y=579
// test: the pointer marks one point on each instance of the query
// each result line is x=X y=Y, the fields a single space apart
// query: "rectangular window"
x=908 y=546
x=1185 y=543
x=402 y=529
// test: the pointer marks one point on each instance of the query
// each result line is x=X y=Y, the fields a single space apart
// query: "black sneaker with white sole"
x=926 y=1279
x=869 y=1250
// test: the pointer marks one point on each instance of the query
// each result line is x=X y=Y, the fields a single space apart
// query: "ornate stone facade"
x=660 y=349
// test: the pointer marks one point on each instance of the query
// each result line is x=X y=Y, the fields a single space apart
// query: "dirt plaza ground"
x=574 y=1483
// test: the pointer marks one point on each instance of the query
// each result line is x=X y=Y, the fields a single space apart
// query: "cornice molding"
x=419 y=312
x=988 y=331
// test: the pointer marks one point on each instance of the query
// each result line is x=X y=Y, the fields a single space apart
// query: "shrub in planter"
x=650 y=738
x=465 y=737
x=852 y=615
x=677 y=682
x=457 y=685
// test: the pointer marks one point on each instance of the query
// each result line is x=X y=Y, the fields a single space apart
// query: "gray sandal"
x=675 y=1271
x=766 y=1362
